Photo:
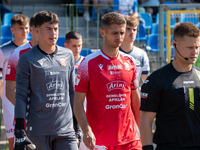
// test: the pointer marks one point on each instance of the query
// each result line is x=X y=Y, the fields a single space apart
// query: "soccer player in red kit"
x=107 y=78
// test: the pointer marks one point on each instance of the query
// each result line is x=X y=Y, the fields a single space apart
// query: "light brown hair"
x=131 y=21
x=20 y=19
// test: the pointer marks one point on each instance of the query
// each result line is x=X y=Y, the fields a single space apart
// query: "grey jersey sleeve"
x=71 y=83
x=22 y=87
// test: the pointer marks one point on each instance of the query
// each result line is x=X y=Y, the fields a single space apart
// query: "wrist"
x=147 y=147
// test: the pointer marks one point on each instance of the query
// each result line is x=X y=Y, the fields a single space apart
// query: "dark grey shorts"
x=53 y=142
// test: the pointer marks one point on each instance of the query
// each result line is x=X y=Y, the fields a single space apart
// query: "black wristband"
x=19 y=123
x=147 y=147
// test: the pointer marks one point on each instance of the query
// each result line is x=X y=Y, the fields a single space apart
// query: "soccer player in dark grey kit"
x=45 y=75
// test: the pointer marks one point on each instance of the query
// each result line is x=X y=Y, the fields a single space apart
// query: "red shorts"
x=135 y=145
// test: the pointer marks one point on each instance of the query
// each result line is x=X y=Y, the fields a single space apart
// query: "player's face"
x=75 y=45
x=188 y=47
x=114 y=35
x=48 y=33
x=20 y=31
x=131 y=33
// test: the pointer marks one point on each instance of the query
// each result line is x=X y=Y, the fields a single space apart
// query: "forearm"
x=146 y=133
x=135 y=105
x=1 y=88
x=10 y=91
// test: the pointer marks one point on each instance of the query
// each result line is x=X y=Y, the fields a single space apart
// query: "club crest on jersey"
x=100 y=66
x=63 y=62
x=116 y=85
x=126 y=66
x=137 y=62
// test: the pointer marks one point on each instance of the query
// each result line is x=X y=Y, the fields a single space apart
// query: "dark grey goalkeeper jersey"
x=50 y=81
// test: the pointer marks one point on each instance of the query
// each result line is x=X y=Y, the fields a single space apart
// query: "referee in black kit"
x=172 y=95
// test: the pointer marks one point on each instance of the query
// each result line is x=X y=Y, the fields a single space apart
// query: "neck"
x=47 y=49
x=76 y=58
x=180 y=66
x=34 y=42
x=111 y=52
x=20 y=42
x=127 y=47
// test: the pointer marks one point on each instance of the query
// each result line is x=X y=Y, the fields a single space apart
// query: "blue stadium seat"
x=189 y=17
x=7 y=18
x=172 y=20
x=148 y=20
x=61 y=41
x=5 y=39
x=154 y=28
x=141 y=33
x=5 y=31
x=152 y=43
x=85 y=52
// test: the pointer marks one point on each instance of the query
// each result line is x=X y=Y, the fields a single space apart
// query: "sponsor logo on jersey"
x=188 y=82
x=144 y=95
x=116 y=85
x=120 y=106
x=112 y=67
x=55 y=105
x=54 y=73
x=137 y=62
x=63 y=62
x=78 y=78
x=100 y=66
x=115 y=72
x=76 y=66
x=55 y=85
x=126 y=66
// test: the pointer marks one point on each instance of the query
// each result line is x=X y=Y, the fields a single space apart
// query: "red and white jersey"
x=13 y=60
x=107 y=82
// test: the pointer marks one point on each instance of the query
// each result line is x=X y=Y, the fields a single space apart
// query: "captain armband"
x=134 y=84
x=1 y=75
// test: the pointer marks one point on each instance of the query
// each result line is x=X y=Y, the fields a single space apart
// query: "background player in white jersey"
x=13 y=60
x=45 y=75
x=141 y=58
x=107 y=78
x=73 y=41
x=20 y=30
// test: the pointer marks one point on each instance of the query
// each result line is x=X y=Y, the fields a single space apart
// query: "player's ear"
x=11 y=29
x=37 y=31
x=102 y=32
x=65 y=44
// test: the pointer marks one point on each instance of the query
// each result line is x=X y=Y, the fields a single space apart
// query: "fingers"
x=31 y=146
x=89 y=140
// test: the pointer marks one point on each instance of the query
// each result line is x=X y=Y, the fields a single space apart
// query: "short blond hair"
x=131 y=21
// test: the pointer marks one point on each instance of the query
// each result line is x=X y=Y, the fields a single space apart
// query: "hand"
x=22 y=141
x=89 y=139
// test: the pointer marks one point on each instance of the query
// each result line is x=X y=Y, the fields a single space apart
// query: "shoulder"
x=140 y=52
x=127 y=56
x=92 y=56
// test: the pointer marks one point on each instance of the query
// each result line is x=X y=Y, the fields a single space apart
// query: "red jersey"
x=13 y=60
x=107 y=82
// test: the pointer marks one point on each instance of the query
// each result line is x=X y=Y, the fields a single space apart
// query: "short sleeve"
x=150 y=94
x=82 y=78
x=145 y=67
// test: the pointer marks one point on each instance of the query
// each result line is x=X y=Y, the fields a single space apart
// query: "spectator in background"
x=86 y=13
x=104 y=8
x=3 y=8
x=125 y=7
x=150 y=3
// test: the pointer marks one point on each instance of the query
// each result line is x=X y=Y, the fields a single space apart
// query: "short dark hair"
x=186 y=29
x=20 y=19
x=131 y=21
x=32 y=21
x=112 y=18
x=45 y=16
x=72 y=35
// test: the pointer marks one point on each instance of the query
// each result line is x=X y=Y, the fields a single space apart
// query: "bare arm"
x=135 y=105
x=7 y=1
x=146 y=134
x=1 y=87
x=144 y=77
x=88 y=136
x=10 y=90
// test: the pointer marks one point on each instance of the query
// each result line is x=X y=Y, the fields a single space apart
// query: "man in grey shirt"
x=45 y=80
